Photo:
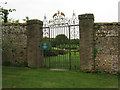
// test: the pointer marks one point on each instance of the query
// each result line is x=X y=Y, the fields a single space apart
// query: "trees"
x=5 y=13
x=75 y=41
x=26 y=19
x=11 y=20
x=60 y=39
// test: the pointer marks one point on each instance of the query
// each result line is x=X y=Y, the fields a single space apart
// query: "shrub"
x=95 y=52
x=54 y=52
x=50 y=53
x=118 y=73
x=62 y=52
x=98 y=71
x=25 y=63
x=6 y=63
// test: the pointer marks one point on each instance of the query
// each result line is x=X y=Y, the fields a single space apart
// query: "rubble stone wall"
x=106 y=45
x=14 y=44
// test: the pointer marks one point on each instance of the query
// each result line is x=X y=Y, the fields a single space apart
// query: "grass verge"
x=21 y=77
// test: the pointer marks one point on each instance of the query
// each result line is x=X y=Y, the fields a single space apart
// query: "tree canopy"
x=5 y=12
x=60 y=39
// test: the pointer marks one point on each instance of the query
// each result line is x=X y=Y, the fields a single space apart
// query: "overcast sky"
x=103 y=10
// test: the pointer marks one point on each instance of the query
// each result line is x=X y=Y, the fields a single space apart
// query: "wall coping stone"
x=14 y=24
x=34 y=21
x=106 y=23
x=86 y=16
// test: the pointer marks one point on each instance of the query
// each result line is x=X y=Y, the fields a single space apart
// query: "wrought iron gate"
x=64 y=44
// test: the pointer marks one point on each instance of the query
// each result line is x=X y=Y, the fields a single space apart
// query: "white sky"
x=103 y=10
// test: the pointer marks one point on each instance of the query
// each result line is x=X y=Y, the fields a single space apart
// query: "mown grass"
x=23 y=77
x=62 y=61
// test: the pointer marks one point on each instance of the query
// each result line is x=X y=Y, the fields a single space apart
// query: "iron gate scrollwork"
x=63 y=35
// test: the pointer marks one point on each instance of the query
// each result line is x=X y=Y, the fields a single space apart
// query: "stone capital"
x=86 y=16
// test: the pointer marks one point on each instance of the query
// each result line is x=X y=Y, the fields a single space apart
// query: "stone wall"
x=14 y=44
x=106 y=43
x=106 y=47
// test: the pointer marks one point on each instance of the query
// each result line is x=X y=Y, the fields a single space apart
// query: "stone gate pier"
x=34 y=37
x=86 y=22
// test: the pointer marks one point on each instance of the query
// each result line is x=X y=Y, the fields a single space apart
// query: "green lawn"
x=21 y=77
x=62 y=61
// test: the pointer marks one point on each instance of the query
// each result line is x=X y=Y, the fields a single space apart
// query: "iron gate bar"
x=60 y=55
x=56 y=57
x=65 y=60
x=69 y=50
x=49 y=49
x=65 y=65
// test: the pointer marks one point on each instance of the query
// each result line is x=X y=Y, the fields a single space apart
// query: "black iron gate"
x=64 y=42
x=64 y=47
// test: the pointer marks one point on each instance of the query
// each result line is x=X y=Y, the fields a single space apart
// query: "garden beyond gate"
x=63 y=37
